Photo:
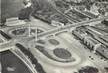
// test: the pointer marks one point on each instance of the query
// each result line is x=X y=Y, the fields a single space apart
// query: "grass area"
x=10 y=8
x=12 y=64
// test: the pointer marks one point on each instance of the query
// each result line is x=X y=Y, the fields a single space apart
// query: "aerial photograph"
x=53 y=36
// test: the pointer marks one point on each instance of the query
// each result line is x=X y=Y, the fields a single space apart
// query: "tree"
x=3 y=20
x=88 y=69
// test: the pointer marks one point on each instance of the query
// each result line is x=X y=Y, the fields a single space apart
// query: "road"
x=90 y=15
x=86 y=53
x=70 y=26
x=24 y=58
x=18 y=53
x=64 y=38
x=12 y=64
x=67 y=40
x=59 y=29
x=65 y=16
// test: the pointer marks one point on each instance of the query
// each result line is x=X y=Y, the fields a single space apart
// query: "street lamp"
x=36 y=34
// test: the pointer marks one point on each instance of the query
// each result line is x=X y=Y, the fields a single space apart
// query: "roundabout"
x=55 y=54
x=24 y=31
